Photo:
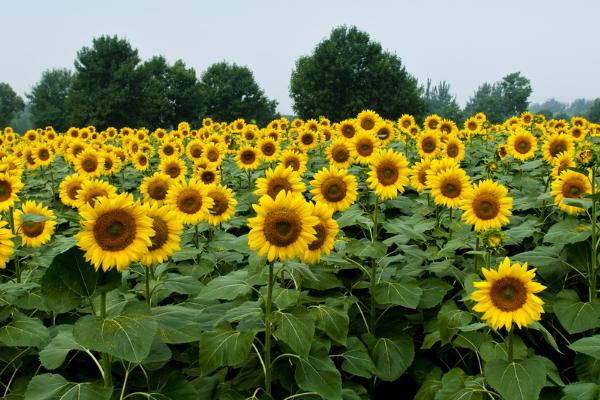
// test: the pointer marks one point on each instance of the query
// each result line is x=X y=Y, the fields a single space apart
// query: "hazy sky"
x=556 y=44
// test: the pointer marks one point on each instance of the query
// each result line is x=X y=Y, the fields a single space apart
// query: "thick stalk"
x=593 y=272
x=105 y=357
x=13 y=229
x=267 y=348
x=372 y=277
x=148 y=277
x=510 y=345
x=475 y=257
x=450 y=225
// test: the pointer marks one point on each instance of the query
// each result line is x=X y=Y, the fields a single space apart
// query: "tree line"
x=346 y=73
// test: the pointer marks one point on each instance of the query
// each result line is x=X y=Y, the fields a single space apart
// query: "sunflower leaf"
x=521 y=380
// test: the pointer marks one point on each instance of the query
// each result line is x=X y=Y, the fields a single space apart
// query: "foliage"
x=594 y=111
x=349 y=72
x=48 y=99
x=441 y=102
x=10 y=104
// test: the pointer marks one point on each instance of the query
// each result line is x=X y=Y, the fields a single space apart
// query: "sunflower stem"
x=476 y=250
x=510 y=345
x=450 y=224
x=267 y=348
x=11 y=221
x=106 y=365
x=148 y=277
x=592 y=288
x=372 y=277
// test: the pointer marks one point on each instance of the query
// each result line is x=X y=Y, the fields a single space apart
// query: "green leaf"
x=541 y=256
x=357 y=360
x=581 y=391
x=588 y=345
x=570 y=230
x=224 y=348
x=188 y=253
x=55 y=387
x=334 y=321
x=521 y=380
x=128 y=336
x=23 y=331
x=33 y=217
x=178 y=324
x=296 y=330
x=364 y=248
x=392 y=357
x=55 y=352
x=68 y=280
x=433 y=292
x=319 y=374
x=450 y=319
x=574 y=315
x=406 y=293
x=227 y=287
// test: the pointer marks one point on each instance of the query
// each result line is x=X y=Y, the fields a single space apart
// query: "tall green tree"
x=502 y=99
x=185 y=94
x=593 y=113
x=348 y=72
x=441 y=102
x=229 y=91
x=10 y=104
x=48 y=99
x=106 y=89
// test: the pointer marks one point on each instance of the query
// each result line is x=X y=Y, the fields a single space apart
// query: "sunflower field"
x=359 y=259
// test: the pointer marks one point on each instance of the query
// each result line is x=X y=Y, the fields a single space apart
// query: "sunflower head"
x=35 y=224
x=154 y=188
x=69 y=188
x=224 y=204
x=364 y=146
x=570 y=185
x=493 y=240
x=334 y=187
x=190 y=201
x=167 y=235
x=277 y=180
x=325 y=232
x=247 y=158
x=486 y=205
x=9 y=188
x=339 y=153
x=508 y=295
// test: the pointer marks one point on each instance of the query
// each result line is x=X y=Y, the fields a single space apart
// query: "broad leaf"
x=55 y=352
x=23 y=331
x=574 y=315
x=296 y=329
x=405 y=293
x=392 y=357
x=521 y=380
x=224 y=348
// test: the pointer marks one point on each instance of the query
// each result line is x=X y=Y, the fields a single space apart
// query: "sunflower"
x=297 y=161
x=508 y=295
x=432 y=122
x=556 y=144
x=308 y=140
x=364 y=146
x=69 y=188
x=334 y=187
x=190 y=201
x=473 y=125
x=578 y=133
x=154 y=188
x=93 y=189
x=207 y=174
x=116 y=232
x=112 y=163
x=486 y=205
x=347 y=128
x=194 y=149
x=268 y=149
x=428 y=144
x=279 y=179
x=43 y=155
x=368 y=120
x=140 y=161
x=283 y=227
x=213 y=153
x=36 y=231
x=224 y=204
x=9 y=188
x=247 y=158
x=388 y=174
x=418 y=174
x=449 y=186
x=325 y=231
x=174 y=167
x=339 y=153
x=89 y=163
x=385 y=133
x=167 y=235
x=405 y=122
x=29 y=161
x=561 y=163
x=454 y=148
x=7 y=246
x=570 y=185
x=167 y=149
x=502 y=151
x=522 y=145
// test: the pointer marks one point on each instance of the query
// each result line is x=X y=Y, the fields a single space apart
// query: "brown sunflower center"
x=452 y=150
x=523 y=146
x=333 y=189
x=89 y=164
x=486 y=207
x=168 y=150
x=282 y=227
x=292 y=162
x=220 y=203
x=5 y=190
x=73 y=189
x=364 y=147
x=387 y=173
x=383 y=133
x=142 y=160
x=115 y=230
x=248 y=157
x=108 y=164
x=307 y=139
x=212 y=155
x=173 y=170
x=157 y=190
x=429 y=145
x=472 y=126
x=92 y=195
x=189 y=201
x=556 y=148
x=43 y=154
x=320 y=236
x=32 y=229
x=340 y=154
x=367 y=123
x=196 y=152
x=572 y=190
x=208 y=177
x=348 y=131
x=268 y=149
x=161 y=233
x=508 y=294
x=278 y=184
x=451 y=188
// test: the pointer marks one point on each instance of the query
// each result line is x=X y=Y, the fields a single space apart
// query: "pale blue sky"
x=555 y=44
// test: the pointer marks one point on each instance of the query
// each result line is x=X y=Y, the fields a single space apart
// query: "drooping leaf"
x=55 y=352
x=392 y=357
x=296 y=329
x=522 y=380
x=405 y=293
x=224 y=348
x=24 y=331
x=574 y=315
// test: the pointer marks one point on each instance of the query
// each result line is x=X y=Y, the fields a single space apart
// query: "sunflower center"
x=43 y=154
x=108 y=164
x=452 y=150
x=557 y=148
x=212 y=155
x=115 y=230
x=91 y=197
x=573 y=190
x=508 y=294
x=428 y=145
x=472 y=126
x=340 y=154
x=367 y=124
x=196 y=152
x=173 y=171
x=208 y=177
x=387 y=173
x=282 y=227
x=161 y=233
x=168 y=150
x=72 y=190
x=333 y=189
x=523 y=146
x=451 y=189
x=189 y=201
x=268 y=149
x=89 y=165
x=307 y=139
x=32 y=229
x=365 y=148
x=320 y=236
x=157 y=190
x=486 y=207
x=220 y=203
x=248 y=157
x=142 y=160
x=383 y=134
x=5 y=190
x=276 y=185
x=348 y=131
x=292 y=162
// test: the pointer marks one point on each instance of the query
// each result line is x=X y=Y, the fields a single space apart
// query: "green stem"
x=476 y=249
x=124 y=383
x=450 y=224
x=267 y=348
x=510 y=345
x=106 y=364
x=592 y=288
x=148 y=277
x=373 y=274
x=11 y=220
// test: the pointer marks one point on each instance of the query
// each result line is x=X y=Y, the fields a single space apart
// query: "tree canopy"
x=48 y=99
x=441 y=102
x=10 y=104
x=348 y=72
